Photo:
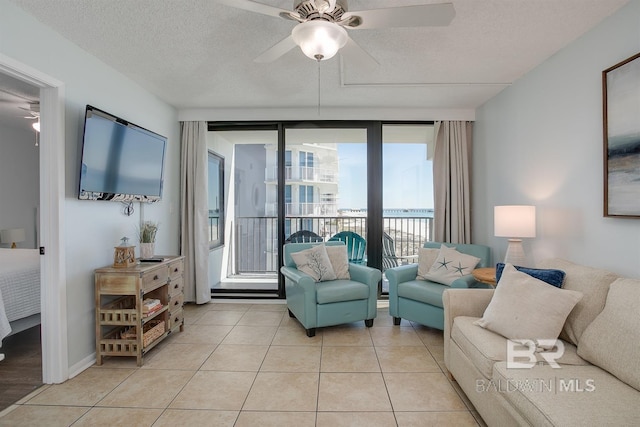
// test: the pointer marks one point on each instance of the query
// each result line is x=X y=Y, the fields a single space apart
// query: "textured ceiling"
x=199 y=54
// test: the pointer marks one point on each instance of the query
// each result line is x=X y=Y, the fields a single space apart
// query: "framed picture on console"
x=621 y=120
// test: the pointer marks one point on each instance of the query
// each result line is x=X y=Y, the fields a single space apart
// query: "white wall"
x=93 y=228
x=540 y=142
x=19 y=186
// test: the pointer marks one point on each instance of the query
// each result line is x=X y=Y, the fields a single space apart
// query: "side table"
x=485 y=275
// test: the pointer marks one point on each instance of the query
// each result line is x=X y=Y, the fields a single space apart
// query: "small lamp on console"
x=13 y=236
x=515 y=222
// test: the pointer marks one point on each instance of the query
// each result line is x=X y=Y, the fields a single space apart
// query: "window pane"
x=407 y=191
x=216 y=199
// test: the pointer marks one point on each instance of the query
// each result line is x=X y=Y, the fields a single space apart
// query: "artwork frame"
x=621 y=135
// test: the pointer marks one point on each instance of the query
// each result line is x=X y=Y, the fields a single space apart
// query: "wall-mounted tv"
x=120 y=160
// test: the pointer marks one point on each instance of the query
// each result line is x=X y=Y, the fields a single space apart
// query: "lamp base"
x=515 y=253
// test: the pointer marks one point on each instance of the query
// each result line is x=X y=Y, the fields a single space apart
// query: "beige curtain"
x=194 y=242
x=451 y=181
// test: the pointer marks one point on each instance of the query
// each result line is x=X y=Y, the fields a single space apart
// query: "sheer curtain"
x=451 y=181
x=194 y=241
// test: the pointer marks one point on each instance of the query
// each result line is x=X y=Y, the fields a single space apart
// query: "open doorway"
x=55 y=364
x=20 y=332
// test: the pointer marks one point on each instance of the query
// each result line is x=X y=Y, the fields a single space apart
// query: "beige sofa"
x=598 y=378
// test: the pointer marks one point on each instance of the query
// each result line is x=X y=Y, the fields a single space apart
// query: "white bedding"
x=19 y=286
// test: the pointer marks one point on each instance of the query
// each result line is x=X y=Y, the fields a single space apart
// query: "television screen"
x=120 y=161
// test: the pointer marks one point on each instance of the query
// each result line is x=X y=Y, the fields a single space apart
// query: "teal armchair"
x=421 y=301
x=329 y=303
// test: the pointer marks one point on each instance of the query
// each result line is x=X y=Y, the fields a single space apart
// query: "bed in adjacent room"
x=19 y=290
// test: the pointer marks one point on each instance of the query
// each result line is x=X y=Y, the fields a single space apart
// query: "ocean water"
x=624 y=184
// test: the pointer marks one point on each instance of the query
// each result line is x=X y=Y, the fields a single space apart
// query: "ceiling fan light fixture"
x=319 y=39
x=36 y=126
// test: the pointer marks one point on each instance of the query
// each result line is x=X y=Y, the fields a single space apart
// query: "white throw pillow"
x=525 y=308
x=426 y=258
x=451 y=265
x=611 y=340
x=315 y=262
x=339 y=260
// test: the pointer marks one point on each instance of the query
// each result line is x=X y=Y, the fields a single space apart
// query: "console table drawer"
x=155 y=278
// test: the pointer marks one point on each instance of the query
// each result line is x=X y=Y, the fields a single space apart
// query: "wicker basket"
x=152 y=331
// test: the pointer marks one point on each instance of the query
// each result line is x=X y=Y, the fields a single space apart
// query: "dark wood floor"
x=21 y=370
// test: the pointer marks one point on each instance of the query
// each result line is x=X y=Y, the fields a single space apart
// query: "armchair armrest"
x=371 y=277
x=402 y=273
x=364 y=274
x=462 y=302
x=464 y=282
x=298 y=277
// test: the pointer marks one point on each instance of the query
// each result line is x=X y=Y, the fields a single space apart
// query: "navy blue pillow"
x=552 y=277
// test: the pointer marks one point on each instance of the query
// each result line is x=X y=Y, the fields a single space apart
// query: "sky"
x=407 y=176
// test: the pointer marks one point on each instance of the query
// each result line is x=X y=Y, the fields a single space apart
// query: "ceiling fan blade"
x=427 y=15
x=256 y=7
x=357 y=55
x=276 y=51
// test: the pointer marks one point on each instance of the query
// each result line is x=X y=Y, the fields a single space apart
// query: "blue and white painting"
x=623 y=139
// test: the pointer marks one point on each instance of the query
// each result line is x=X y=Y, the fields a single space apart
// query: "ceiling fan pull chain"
x=318 y=88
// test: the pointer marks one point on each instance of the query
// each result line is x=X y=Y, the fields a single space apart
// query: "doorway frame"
x=53 y=290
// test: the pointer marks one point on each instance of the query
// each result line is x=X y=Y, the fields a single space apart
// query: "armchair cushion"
x=426 y=258
x=339 y=261
x=341 y=290
x=315 y=262
x=451 y=265
x=426 y=292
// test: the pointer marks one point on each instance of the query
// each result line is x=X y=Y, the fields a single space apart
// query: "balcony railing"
x=255 y=243
x=304 y=173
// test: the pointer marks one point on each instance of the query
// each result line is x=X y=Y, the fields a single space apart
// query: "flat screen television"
x=120 y=160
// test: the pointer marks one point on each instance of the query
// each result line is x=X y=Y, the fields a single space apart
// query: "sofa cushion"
x=341 y=290
x=339 y=261
x=451 y=265
x=594 y=285
x=612 y=340
x=481 y=346
x=570 y=396
x=315 y=262
x=549 y=275
x=524 y=307
x=484 y=348
x=426 y=258
x=423 y=291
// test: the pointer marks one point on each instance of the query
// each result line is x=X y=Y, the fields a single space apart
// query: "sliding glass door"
x=317 y=181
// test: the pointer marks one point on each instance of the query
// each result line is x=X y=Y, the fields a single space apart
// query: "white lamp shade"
x=318 y=39
x=514 y=221
x=12 y=235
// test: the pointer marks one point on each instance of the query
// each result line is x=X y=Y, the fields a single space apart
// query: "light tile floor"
x=250 y=364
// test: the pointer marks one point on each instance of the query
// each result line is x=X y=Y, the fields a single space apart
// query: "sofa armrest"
x=462 y=302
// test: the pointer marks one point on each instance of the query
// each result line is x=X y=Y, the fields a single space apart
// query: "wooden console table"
x=122 y=326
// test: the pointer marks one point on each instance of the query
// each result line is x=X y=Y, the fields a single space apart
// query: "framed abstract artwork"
x=621 y=115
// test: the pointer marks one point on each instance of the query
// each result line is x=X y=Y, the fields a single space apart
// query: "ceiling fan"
x=320 y=32
x=34 y=114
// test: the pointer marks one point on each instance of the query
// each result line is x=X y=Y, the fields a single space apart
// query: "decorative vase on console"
x=148 y=239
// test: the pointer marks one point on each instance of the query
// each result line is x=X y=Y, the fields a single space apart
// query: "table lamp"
x=13 y=236
x=515 y=222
